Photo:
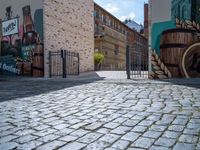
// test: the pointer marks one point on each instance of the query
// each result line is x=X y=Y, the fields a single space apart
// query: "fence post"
x=63 y=55
x=128 y=62
x=78 y=63
x=50 y=64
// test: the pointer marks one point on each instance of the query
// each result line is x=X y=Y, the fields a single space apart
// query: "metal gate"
x=137 y=61
x=63 y=63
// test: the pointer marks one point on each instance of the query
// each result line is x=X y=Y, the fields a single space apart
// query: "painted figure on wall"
x=22 y=39
x=176 y=42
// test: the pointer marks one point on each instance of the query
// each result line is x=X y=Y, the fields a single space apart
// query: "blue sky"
x=123 y=9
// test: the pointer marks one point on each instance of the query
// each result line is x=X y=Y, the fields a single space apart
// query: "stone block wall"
x=69 y=24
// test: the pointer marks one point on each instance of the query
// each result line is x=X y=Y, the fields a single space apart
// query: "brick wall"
x=69 y=25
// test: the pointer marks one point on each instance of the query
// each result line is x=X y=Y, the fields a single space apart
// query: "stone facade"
x=69 y=25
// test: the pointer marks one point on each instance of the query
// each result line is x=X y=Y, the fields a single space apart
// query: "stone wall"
x=69 y=25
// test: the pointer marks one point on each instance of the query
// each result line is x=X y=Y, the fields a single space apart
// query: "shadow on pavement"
x=13 y=87
x=195 y=82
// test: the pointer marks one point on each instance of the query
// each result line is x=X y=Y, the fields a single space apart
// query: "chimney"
x=146 y=22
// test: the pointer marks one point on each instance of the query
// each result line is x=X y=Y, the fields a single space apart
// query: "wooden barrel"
x=173 y=44
x=190 y=61
x=38 y=61
x=27 y=68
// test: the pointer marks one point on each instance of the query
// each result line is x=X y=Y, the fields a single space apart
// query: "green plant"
x=98 y=58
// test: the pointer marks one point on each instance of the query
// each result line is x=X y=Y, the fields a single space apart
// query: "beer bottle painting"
x=30 y=37
x=24 y=48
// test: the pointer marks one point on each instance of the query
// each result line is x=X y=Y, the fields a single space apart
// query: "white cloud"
x=111 y=8
x=129 y=16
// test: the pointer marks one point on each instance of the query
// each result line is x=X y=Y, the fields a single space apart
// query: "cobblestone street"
x=110 y=115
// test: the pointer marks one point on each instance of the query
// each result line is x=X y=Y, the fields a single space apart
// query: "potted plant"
x=98 y=60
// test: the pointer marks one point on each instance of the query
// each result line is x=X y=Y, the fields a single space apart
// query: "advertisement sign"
x=10 y=27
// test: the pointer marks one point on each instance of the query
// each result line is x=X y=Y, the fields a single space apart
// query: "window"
x=116 y=49
x=96 y=14
x=104 y=19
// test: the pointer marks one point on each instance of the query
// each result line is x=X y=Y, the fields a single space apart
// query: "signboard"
x=10 y=27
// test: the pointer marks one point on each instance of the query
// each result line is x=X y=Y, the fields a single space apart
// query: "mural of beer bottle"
x=30 y=38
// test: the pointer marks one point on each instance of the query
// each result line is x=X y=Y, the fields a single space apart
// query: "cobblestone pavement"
x=45 y=115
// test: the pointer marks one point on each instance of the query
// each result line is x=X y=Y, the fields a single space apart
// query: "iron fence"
x=137 y=61
x=63 y=63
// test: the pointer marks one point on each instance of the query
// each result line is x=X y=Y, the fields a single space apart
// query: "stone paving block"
x=154 y=147
x=111 y=148
x=8 y=146
x=25 y=139
x=121 y=130
x=121 y=144
x=183 y=146
x=48 y=138
x=103 y=130
x=166 y=142
x=120 y=120
x=68 y=138
x=24 y=132
x=109 y=138
x=131 y=136
x=90 y=137
x=146 y=123
x=55 y=122
x=97 y=145
x=152 y=134
x=188 y=139
x=61 y=126
x=157 y=128
x=7 y=138
x=111 y=125
x=64 y=132
x=73 y=146
x=51 y=145
x=139 y=129
x=41 y=127
x=44 y=132
x=143 y=142
x=193 y=126
x=79 y=133
x=78 y=125
x=135 y=149
x=180 y=121
x=130 y=123
x=93 y=126
x=171 y=134
x=177 y=128
x=29 y=145
x=191 y=131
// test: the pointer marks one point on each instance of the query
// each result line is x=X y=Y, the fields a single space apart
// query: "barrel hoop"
x=178 y=30
x=38 y=68
x=173 y=45
x=38 y=54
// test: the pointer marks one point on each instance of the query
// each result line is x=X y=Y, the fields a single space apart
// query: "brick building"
x=112 y=36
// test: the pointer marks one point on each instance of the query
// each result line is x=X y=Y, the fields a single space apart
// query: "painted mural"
x=21 y=51
x=176 y=41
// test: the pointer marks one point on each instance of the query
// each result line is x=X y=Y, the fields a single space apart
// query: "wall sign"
x=10 y=27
